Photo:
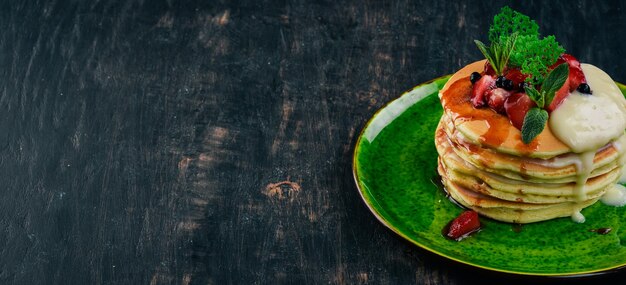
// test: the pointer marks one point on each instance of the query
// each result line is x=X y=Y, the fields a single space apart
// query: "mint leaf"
x=554 y=81
x=498 y=53
x=536 y=96
x=486 y=52
x=506 y=49
x=534 y=123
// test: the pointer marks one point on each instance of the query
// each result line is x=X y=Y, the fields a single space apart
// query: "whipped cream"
x=587 y=122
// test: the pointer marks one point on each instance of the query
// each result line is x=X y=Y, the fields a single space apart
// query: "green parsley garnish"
x=509 y=22
x=534 y=56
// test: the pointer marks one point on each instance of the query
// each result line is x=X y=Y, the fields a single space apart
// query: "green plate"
x=394 y=168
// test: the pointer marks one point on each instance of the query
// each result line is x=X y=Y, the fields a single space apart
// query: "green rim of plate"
x=394 y=167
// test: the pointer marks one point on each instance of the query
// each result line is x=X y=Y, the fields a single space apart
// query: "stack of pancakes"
x=485 y=166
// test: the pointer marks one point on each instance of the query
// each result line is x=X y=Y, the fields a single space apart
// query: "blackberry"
x=508 y=84
x=584 y=88
x=500 y=81
x=474 y=77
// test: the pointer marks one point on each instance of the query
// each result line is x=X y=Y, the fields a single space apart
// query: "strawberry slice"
x=489 y=69
x=479 y=89
x=515 y=75
x=560 y=95
x=576 y=75
x=496 y=98
x=574 y=79
x=463 y=225
x=516 y=106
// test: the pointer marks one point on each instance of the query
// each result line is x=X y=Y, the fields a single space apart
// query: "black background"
x=210 y=142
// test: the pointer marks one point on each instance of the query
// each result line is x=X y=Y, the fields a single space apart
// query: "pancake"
x=465 y=174
x=557 y=169
x=486 y=167
x=512 y=212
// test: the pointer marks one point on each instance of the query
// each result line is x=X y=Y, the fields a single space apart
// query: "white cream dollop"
x=587 y=122
x=615 y=196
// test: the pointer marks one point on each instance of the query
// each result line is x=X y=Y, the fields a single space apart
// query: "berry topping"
x=508 y=84
x=496 y=98
x=518 y=78
x=576 y=75
x=584 y=88
x=534 y=69
x=481 y=86
x=575 y=79
x=503 y=82
x=516 y=106
x=500 y=81
x=465 y=224
x=474 y=77
x=489 y=69
x=559 y=96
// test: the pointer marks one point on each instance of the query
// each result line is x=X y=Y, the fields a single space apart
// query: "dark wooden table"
x=210 y=142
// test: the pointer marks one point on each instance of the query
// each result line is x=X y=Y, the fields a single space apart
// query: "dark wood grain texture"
x=210 y=142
